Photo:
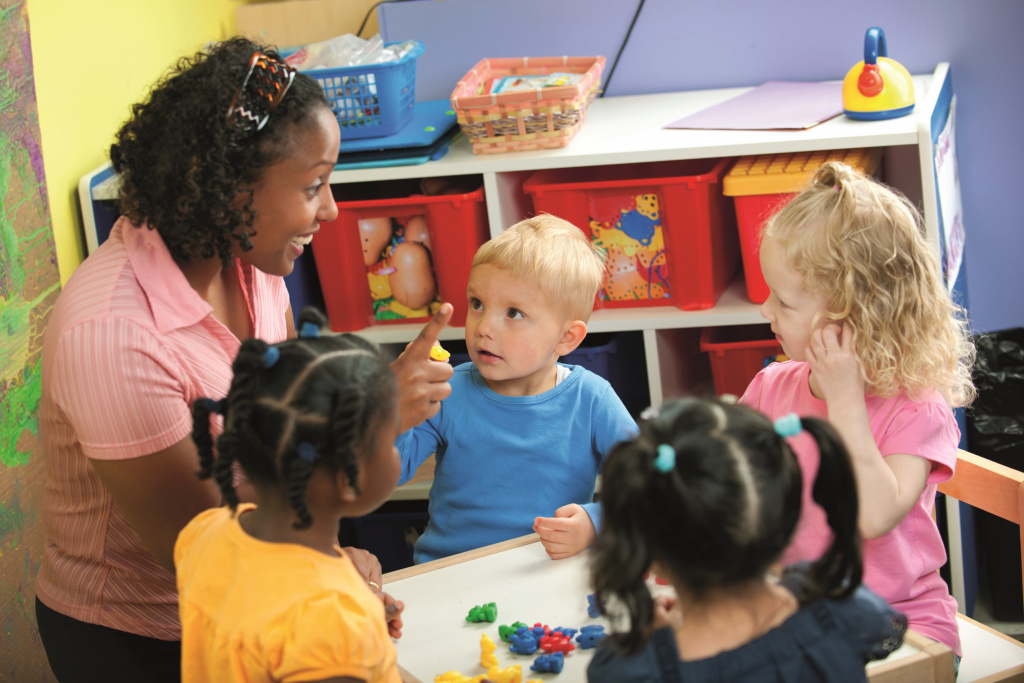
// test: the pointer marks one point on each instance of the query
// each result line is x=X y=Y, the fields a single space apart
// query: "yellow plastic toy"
x=487 y=647
x=877 y=88
x=438 y=353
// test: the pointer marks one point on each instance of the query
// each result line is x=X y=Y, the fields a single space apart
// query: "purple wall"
x=679 y=45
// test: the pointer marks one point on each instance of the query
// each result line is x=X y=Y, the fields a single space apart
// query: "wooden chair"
x=988 y=486
x=999 y=490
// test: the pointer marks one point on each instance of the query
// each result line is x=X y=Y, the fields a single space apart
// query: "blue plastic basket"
x=371 y=100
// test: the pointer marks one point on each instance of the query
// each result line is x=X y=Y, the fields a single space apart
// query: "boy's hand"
x=393 y=615
x=422 y=382
x=567 y=533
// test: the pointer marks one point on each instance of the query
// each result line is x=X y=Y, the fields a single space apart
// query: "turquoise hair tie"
x=270 y=356
x=788 y=425
x=666 y=458
x=309 y=330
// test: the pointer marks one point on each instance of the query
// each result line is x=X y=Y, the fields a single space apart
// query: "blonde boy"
x=521 y=435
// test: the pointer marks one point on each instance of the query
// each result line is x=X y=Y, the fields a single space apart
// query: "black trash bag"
x=995 y=430
x=995 y=423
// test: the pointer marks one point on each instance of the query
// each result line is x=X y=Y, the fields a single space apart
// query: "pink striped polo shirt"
x=129 y=346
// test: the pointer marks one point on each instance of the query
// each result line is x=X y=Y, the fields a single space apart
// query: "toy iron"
x=879 y=87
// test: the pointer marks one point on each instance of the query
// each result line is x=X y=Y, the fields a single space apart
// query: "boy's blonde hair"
x=554 y=254
x=859 y=244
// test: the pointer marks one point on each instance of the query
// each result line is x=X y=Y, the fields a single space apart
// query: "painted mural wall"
x=29 y=284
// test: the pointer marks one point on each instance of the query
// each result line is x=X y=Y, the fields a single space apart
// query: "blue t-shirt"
x=825 y=641
x=504 y=460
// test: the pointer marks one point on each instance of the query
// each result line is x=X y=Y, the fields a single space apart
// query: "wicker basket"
x=530 y=119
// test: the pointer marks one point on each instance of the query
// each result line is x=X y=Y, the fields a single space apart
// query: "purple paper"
x=774 y=105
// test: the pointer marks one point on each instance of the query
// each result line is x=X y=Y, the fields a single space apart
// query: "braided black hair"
x=181 y=166
x=722 y=514
x=294 y=407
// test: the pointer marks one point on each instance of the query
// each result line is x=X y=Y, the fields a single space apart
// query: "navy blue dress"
x=827 y=640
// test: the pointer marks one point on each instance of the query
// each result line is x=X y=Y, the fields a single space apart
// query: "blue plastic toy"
x=523 y=643
x=590 y=635
x=592 y=609
x=552 y=663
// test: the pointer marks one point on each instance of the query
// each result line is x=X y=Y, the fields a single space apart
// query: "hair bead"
x=309 y=330
x=213 y=406
x=307 y=452
x=270 y=356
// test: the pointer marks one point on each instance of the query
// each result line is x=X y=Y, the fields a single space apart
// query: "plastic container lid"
x=788 y=173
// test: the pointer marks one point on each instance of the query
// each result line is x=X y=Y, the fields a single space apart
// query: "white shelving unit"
x=621 y=130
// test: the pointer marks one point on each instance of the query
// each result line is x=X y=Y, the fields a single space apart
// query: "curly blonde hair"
x=556 y=255
x=859 y=243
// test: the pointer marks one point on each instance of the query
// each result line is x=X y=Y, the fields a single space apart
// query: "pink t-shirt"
x=901 y=566
x=129 y=346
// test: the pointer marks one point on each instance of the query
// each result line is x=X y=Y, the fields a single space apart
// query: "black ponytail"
x=838 y=572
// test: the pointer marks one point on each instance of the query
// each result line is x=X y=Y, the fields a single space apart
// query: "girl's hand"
x=422 y=382
x=835 y=368
x=393 y=615
x=665 y=613
x=567 y=533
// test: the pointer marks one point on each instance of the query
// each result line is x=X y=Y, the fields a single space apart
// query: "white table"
x=529 y=587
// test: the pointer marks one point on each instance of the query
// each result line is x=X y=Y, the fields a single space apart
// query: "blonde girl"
x=880 y=349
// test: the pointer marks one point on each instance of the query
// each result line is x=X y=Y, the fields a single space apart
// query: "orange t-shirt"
x=257 y=611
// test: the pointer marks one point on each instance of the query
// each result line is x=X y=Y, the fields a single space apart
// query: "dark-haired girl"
x=265 y=592
x=223 y=173
x=708 y=497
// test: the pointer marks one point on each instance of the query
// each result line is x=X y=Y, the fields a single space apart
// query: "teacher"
x=224 y=180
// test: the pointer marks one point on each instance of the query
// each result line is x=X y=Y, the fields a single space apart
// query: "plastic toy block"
x=549 y=663
x=510 y=674
x=590 y=635
x=488 y=612
x=565 y=631
x=487 y=647
x=456 y=677
x=523 y=643
x=438 y=353
x=592 y=609
x=556 y=643
x=505 y=632
x=540 y=630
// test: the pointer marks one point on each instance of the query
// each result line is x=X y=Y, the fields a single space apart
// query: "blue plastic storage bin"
x=371 y=100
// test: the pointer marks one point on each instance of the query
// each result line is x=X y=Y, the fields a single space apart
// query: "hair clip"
x=666 y=458
x=649 y=413
x=788 y=425
x=214 y=406
x=307 y=452
x=270 y=356
x=309 y=330
x=260 y=93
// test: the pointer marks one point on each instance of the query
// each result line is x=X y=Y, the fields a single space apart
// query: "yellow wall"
x=92 y=61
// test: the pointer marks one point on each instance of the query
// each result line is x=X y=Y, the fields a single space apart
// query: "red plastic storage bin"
x=737 y=353
x=762 y=185
x=438 y=255
x=668 y=231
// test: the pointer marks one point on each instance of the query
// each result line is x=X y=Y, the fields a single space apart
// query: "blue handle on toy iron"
x=874 y=45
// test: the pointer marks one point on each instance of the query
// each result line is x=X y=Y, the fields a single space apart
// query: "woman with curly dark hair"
x=223 y=174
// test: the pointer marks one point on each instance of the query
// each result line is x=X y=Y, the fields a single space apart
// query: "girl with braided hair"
x=223 y=181
x=708 y=496
x=265 y=592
